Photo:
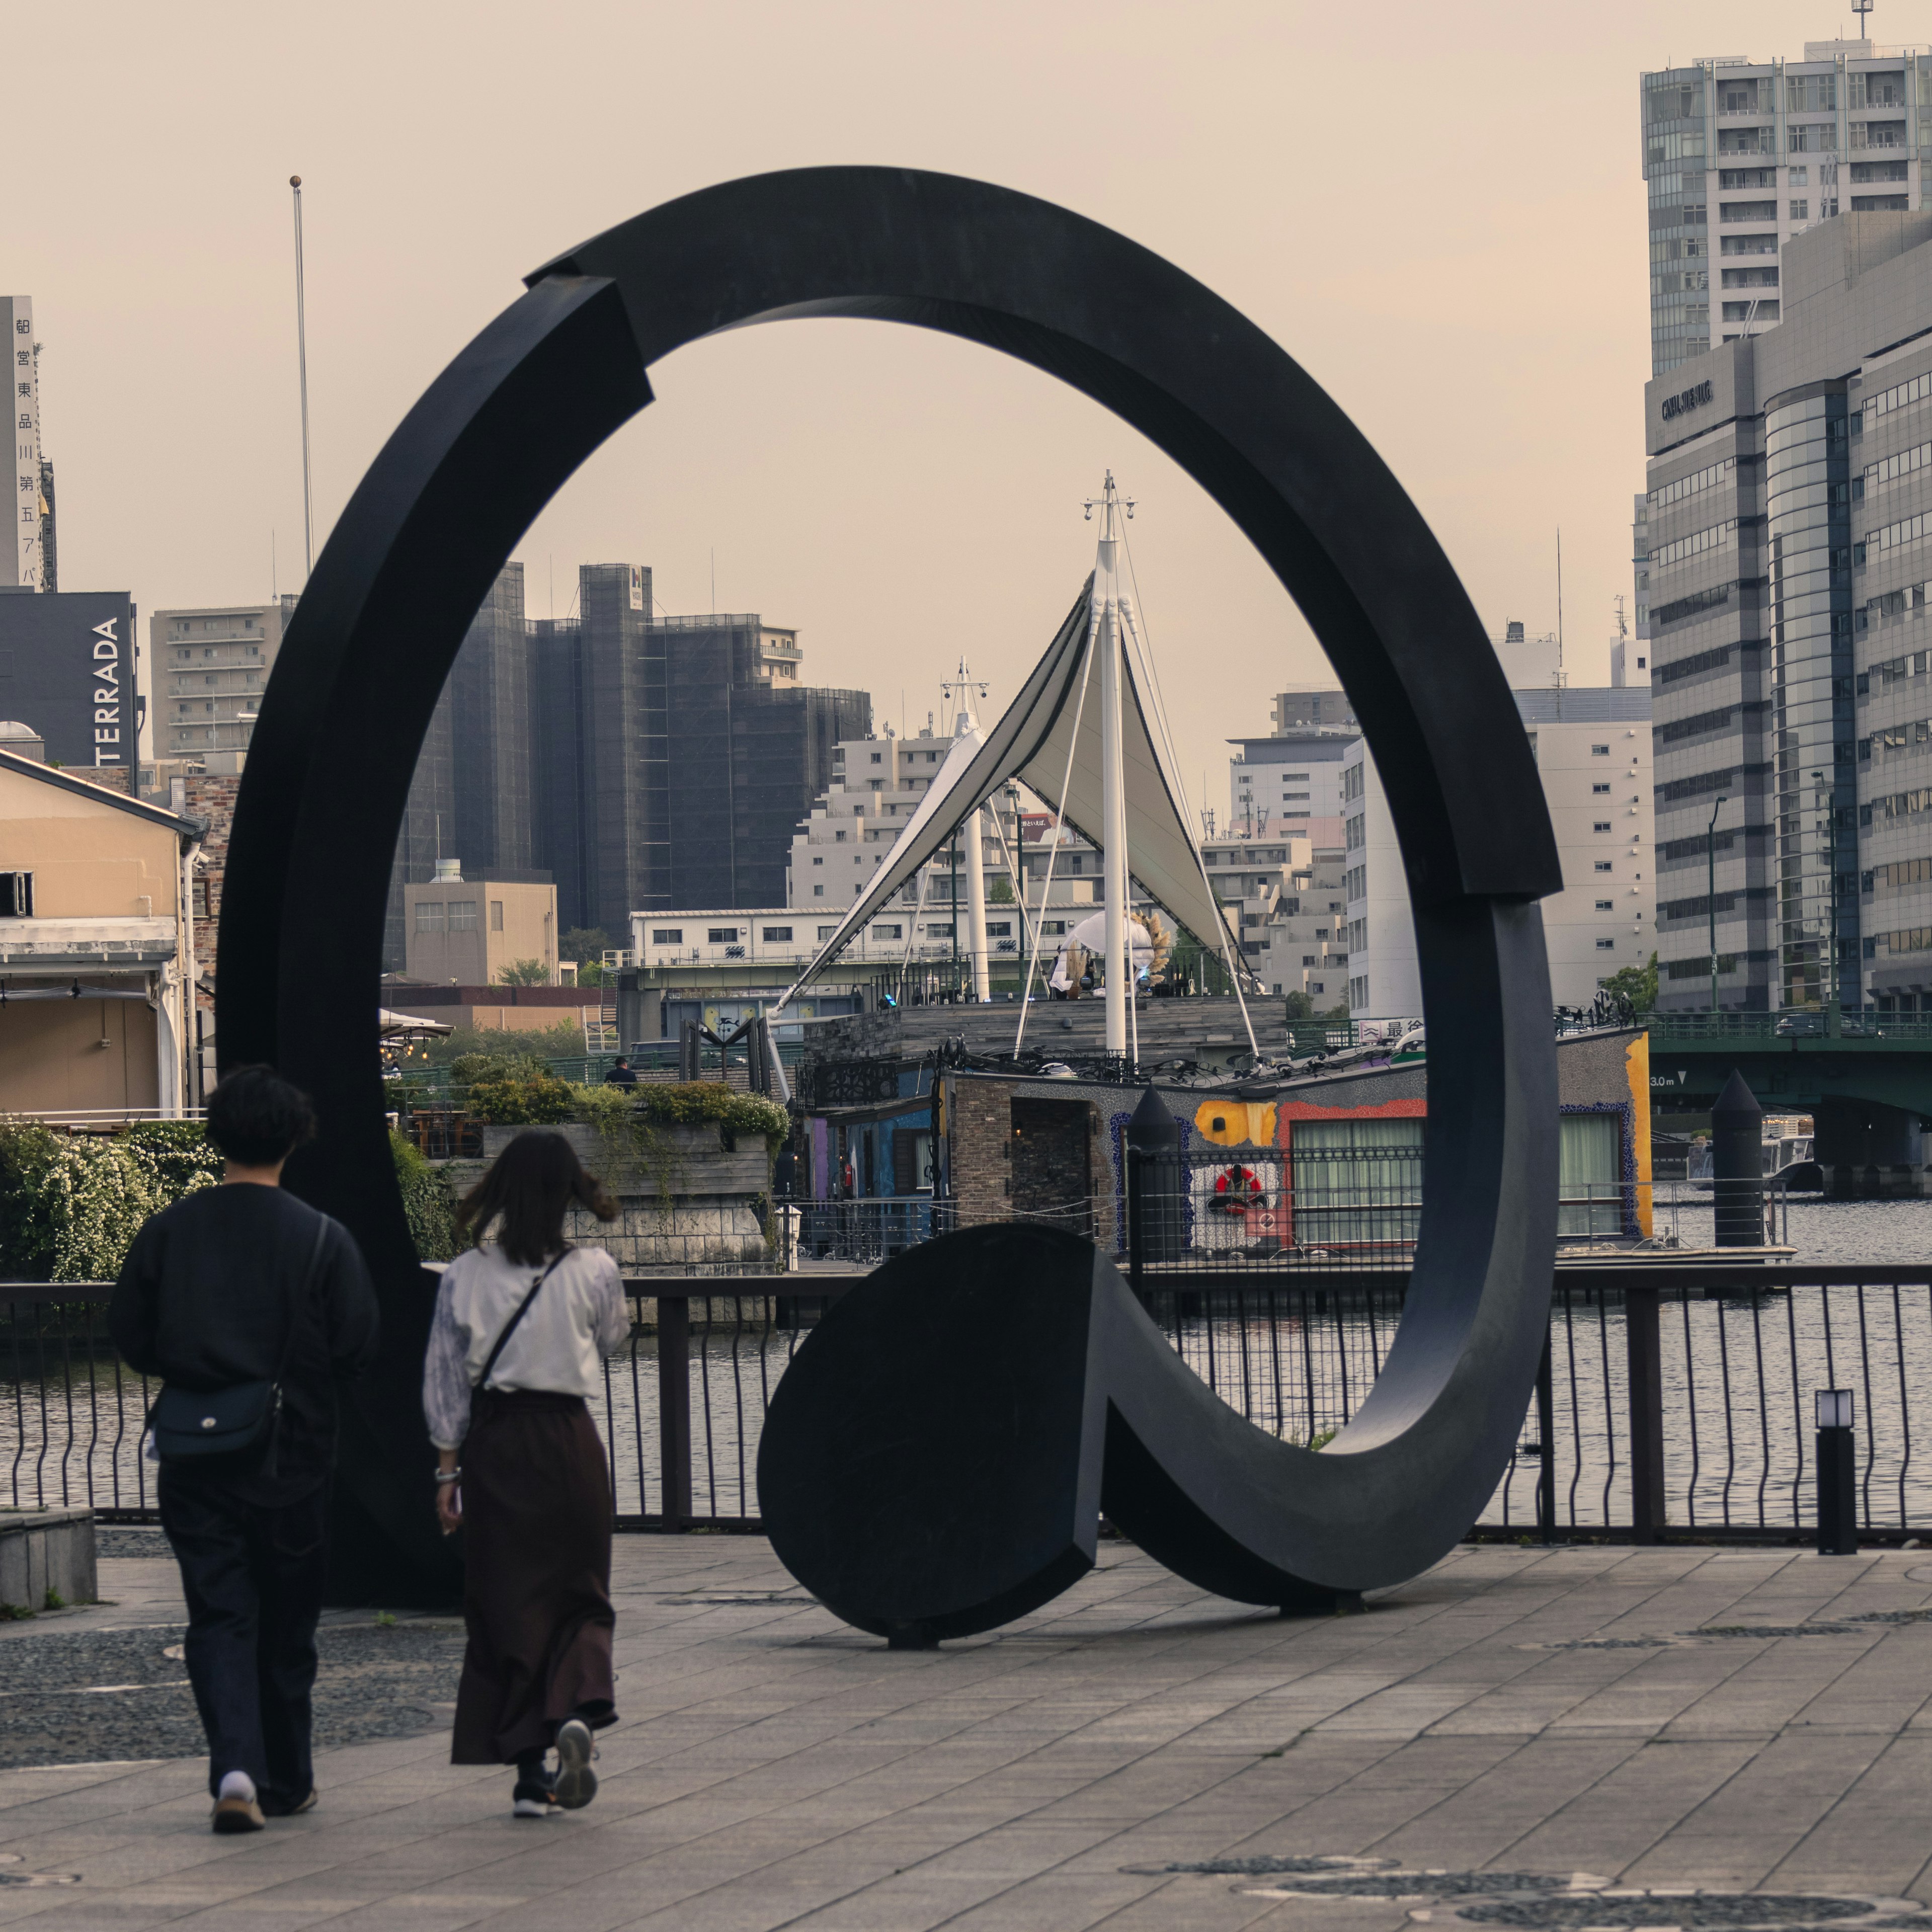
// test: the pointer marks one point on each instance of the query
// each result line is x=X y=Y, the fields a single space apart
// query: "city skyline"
x=819 y=463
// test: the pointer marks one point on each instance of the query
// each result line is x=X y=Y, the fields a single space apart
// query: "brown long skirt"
x=536 y=1518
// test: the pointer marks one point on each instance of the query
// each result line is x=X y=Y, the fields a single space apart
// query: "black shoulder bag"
x=196 y=1426
x=510 y=1326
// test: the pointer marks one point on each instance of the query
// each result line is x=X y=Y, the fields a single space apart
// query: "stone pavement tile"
x=1877 y=1836
x=1483 y=1819
x=1385 y=1796
x=1065 y=1901
x=1660 y=1686
x=1770 y=1684
x=1751 y=1824
x=1195 y=1903
x=1617 y=1821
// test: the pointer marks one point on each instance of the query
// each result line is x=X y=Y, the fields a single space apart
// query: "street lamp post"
x=1710 y=890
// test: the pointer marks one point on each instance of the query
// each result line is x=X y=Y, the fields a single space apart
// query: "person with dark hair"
x=622 y=1074
x=252 y=1308
x=522 y=1324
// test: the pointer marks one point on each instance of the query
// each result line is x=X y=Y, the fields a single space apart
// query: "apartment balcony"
x=1878 y=134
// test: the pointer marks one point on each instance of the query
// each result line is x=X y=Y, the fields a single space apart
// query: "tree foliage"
x=1636 y=984
x=584 y=942
x=524 y=973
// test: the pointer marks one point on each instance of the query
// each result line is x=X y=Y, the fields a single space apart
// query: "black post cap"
x=1737 y=1104
x=1153 y=1125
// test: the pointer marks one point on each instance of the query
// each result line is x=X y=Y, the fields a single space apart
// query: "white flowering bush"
x=73 y=1202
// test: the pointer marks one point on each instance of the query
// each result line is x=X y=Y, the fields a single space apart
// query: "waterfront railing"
x=1674 y=1402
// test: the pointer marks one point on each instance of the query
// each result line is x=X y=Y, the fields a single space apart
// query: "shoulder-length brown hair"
x=530 y=1186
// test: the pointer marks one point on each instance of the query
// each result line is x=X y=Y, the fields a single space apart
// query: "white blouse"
x=579 y=1317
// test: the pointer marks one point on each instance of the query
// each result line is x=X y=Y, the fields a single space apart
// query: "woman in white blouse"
x=522 y=1324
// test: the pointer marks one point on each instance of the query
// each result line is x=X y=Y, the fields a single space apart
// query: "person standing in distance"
x=240 y=1294
x=522 y=1325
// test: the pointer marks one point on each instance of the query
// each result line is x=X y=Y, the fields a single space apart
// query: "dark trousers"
x=253 y=1575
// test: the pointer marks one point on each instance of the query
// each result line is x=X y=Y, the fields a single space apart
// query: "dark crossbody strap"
x=301 y=1302
x=510 y=1327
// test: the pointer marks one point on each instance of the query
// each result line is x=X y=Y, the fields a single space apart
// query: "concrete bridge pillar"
x=1869 y=1151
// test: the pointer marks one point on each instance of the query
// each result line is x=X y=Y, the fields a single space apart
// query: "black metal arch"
x=514 y=415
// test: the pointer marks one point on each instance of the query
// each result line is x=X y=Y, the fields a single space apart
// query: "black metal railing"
x=1675 y=1402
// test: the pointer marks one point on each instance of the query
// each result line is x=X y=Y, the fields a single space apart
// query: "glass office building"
x=1787 y=530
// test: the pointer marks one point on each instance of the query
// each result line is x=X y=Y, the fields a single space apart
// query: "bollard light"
x=1834 y=1408
x=1837 y=1475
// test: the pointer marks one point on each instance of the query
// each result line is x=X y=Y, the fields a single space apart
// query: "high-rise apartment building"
x=1790 y=559
x=20 y=558
x=1279 y=784
x=208 y=666
x=1593 y=752
x=638 y=763
x=1740 y=155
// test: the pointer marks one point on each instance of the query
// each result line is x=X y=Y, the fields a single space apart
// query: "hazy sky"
x=1438 y=210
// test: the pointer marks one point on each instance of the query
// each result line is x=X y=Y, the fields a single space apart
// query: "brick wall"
x=1051 y=1158
x=980 y=1125
x=1061 y=1155
x=211 y=800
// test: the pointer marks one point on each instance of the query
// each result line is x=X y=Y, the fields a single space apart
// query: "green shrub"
x=28 y=1152
x=70 y=1204
x=497 y=1044
x=690 y=1103
x=427 y=1201
x=467 y=1068
x=541 y=1102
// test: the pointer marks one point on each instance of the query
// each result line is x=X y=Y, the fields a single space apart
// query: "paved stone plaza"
x=1515 y=1711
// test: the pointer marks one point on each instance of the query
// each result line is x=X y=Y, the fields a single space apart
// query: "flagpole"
x=301 y=362
x=1113 y=801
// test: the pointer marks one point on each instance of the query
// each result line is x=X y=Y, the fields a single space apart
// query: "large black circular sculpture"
x=514 y=415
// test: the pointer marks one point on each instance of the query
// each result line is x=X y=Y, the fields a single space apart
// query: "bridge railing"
x=1686 y=1029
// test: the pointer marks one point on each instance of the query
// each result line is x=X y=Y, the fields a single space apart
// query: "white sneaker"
x=575 y=1784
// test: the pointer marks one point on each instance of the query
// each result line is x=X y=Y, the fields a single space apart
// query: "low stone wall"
x=698 y=1208
x=46 y=1549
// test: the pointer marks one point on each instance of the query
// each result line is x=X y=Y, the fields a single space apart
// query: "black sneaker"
x=533 y=1797
x=575 y=1784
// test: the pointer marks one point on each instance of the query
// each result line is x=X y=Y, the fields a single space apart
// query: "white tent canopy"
x=1031 y=743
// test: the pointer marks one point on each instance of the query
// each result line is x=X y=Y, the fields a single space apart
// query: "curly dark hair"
x=530 y=1185
x=256 y=1118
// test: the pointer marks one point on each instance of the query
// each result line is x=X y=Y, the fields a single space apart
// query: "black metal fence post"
x=674 y=1408
x=1546 y=1444
x=1136 y=1177
x=1645 y=1358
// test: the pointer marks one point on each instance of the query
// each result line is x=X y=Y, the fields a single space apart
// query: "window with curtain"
x=1357 y=1184
x=1590 y=1184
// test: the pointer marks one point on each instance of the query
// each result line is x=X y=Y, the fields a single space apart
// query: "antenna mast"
x=1106 y=634
x=302 y=362
x=965 y=722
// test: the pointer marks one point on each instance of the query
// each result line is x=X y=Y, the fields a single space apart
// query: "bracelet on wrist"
x=449 y=1475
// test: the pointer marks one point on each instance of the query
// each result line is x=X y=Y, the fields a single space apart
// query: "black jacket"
x=203 y=1302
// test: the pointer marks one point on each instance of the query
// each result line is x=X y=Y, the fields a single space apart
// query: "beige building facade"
x=97 y=949
x=466 y=931
x=209 y=667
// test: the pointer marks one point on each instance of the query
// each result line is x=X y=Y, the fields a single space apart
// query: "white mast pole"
x=1113 y=799
x=976 y=863
x=301 y=364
